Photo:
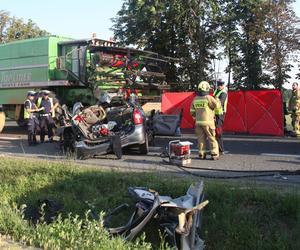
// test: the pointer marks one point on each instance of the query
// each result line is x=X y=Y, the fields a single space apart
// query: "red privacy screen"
x=252 y=112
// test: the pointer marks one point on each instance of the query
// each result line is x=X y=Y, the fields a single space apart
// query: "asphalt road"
x=260 y=158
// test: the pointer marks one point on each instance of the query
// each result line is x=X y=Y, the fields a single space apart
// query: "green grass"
x=239 y=216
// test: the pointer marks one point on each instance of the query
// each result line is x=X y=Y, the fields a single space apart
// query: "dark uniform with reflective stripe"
x=32 y=121
x=220 y=116
x=46 y=120
x=294 y=106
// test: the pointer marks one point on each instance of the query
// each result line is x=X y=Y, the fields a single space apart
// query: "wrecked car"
x=179 y=218
x=108 y=126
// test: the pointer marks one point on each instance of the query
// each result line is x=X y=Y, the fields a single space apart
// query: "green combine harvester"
x=74 y=70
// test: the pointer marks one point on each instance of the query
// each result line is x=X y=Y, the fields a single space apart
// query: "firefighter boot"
x=214 y=157
x=34 y=139
x=42 y=138
x=30 y=139
x=202 y=156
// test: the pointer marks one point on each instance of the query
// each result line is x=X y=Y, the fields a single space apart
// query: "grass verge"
x=239 y=216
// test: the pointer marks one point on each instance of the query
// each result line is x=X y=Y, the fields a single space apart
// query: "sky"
x=72 y=18
x=68 y=18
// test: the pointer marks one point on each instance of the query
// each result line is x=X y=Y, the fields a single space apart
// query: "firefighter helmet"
x=204 y=86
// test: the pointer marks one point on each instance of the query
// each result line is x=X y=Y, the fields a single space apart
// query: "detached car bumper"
x=85 y=149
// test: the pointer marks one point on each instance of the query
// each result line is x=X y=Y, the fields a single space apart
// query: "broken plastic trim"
x=180 y=218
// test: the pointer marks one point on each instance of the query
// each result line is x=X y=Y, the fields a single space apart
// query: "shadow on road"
x=20 y=146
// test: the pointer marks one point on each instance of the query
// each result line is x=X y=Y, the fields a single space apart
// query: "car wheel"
x=68 y=142
x=80 y=156
x=117 y=147
x=144 y=148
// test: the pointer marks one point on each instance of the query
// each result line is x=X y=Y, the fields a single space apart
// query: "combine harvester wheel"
x=2 y=120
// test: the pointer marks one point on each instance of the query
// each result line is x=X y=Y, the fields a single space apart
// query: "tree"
x=185 y=29
x=4 y=22
x=12 y=28
x=230 y=34
x=247 y=63
x=255 y=35
x=281 y=37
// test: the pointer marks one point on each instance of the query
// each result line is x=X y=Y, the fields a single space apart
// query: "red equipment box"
x=179 y=149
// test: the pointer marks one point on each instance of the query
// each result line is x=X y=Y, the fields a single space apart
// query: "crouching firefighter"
x=203 y=111
x=30 y=114
x=45 y=104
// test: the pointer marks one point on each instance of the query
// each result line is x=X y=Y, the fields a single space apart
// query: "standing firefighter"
x=294 y=107
x=30 y=110
x=220 y=112
x=203 y=110
x=45 y=103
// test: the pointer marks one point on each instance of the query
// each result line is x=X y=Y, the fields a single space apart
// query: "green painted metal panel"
x=13 y=96
x=24 y=61
x=31 y=60
x=27 y=64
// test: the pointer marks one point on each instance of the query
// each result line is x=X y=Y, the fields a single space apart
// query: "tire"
x=117 y=147
x=21 y=121
x=80 y=156
x=144 y=148
x=2 y=120
x=68 y=142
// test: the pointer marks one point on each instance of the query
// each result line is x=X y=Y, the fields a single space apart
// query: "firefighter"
x=30 y=114
x=221 y=94
x=46 y=104
x=203 y=111
x=294 y=107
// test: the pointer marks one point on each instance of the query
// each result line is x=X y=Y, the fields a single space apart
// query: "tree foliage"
x=184 y=29
x=281 y=37
x=255 y=35
x=13 y=28
x=240 y=35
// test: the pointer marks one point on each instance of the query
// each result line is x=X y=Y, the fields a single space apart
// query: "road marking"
x=9 y=138
x=280 y=155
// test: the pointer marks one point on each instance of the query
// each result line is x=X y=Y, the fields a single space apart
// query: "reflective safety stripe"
x=200 y=103
x=192 y=111
x=205 y=123
x=219 y=110
x=26 y=113
x=202 y=123
x=39 y=101
x=225 y=105
x=201 y=110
